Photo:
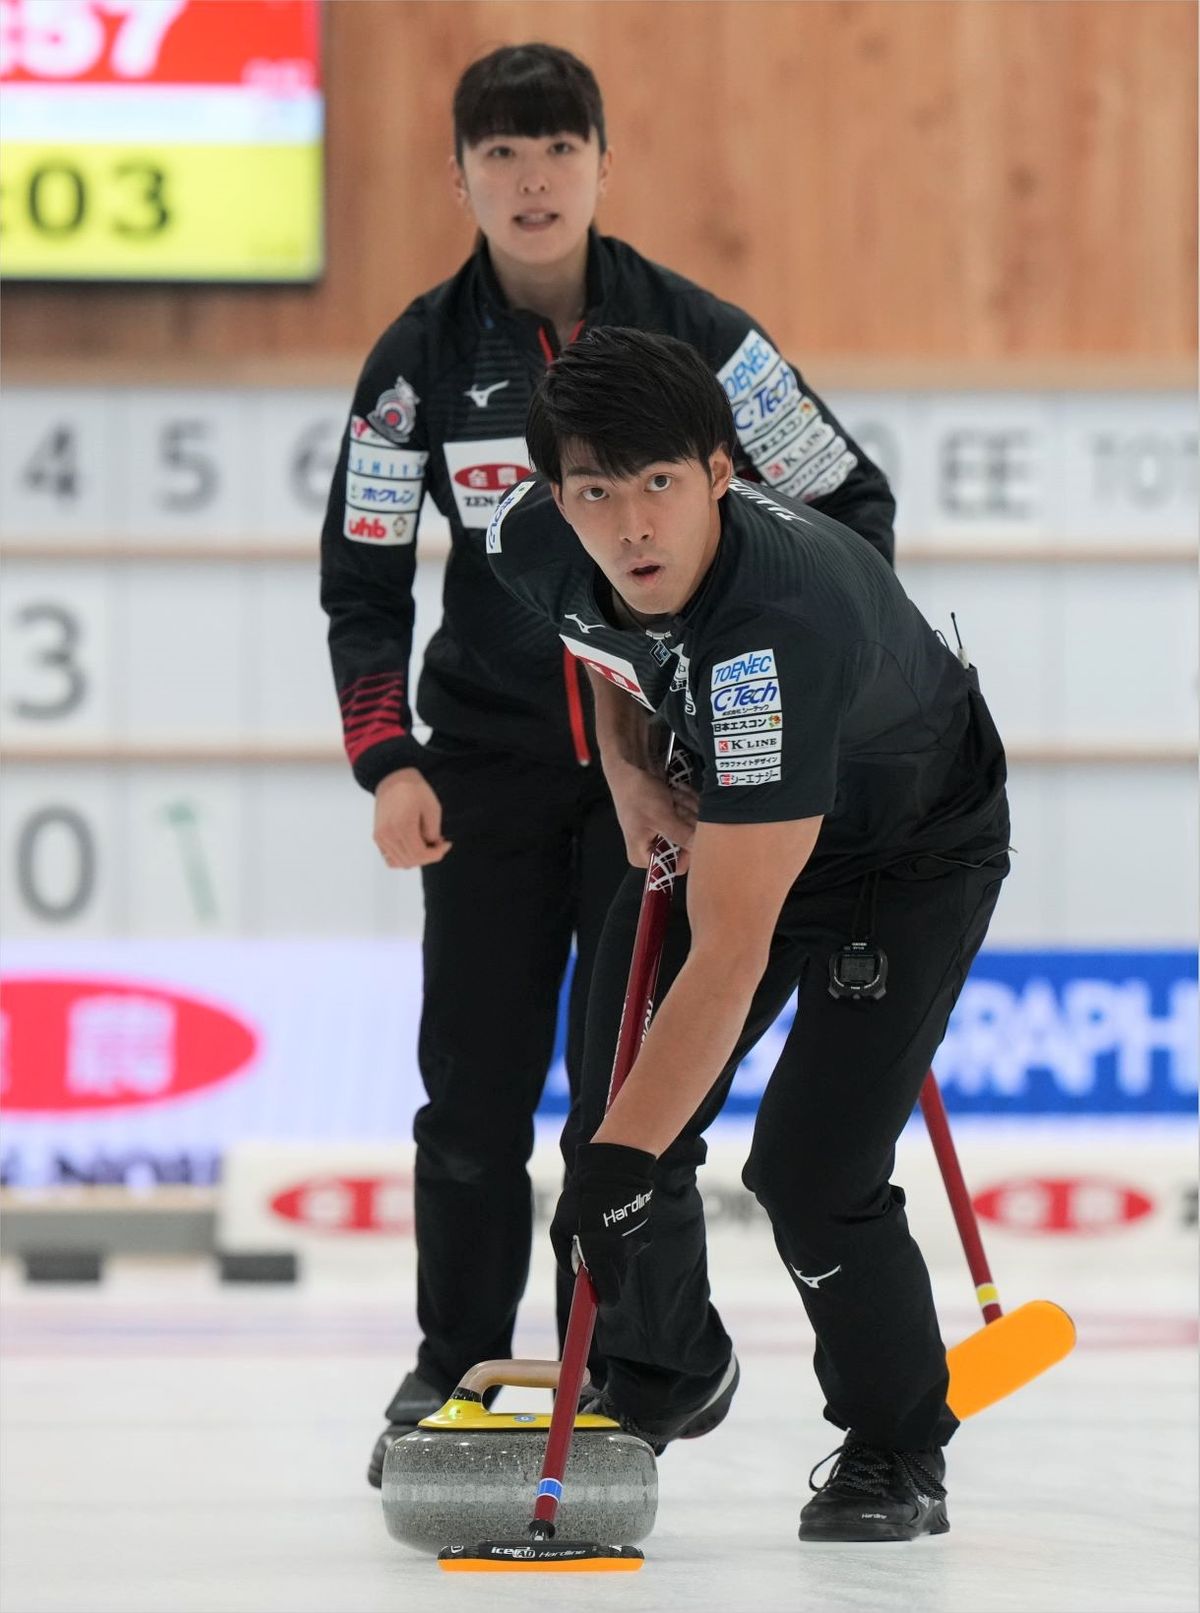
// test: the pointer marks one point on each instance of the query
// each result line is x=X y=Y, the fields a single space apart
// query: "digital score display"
x=161 y=140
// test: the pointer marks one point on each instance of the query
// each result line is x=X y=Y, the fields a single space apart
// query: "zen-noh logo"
x=83 y=1044
x=349 y=1204
x=491 y=478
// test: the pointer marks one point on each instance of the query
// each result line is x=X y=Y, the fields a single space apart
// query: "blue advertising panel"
x=1041 y=1033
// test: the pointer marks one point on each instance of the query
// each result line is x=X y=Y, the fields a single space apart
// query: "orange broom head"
x=1006 y=1355
x=540 y=1556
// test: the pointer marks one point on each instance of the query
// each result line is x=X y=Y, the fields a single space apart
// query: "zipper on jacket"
x=571 y=672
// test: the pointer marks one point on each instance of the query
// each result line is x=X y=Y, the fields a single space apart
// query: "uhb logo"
x=82 y=1044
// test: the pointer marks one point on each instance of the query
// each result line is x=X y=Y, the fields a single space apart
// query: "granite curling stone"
x=470 y=1474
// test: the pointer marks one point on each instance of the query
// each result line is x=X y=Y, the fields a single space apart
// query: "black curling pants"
x=820 y=1162
x=537 y=856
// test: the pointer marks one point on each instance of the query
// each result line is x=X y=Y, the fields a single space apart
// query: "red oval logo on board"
x=349 y=1204
x=491 y=478
x=1075 y=1204
x=74 y=1045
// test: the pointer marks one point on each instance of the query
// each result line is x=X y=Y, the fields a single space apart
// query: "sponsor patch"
x=833 y=477
x=759 y=386
x=801 y=482
x=613 y=667
x=748 y=764
x=775 y=423
x=481 y=473
x=752 y=723
x=370 y=493
x=395 y=412
x=370 y=455
x=513 y=496
x=753 y=696
x=793 y=423
x=801 y=451
x=749 y=744
x=753 y=664
x=381 y=529
x=727 y=778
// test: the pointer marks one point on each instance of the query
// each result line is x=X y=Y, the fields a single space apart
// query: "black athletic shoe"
x=413 y=1400
x=687 y=1425
x=873 y=1494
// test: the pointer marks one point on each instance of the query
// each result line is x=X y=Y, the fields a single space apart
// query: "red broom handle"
x=938 y=1127
x=635 y=1021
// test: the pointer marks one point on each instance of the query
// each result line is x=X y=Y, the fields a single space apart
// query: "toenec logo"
x=754 y=664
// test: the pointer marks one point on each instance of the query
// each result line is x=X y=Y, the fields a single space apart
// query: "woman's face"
x=534 y=199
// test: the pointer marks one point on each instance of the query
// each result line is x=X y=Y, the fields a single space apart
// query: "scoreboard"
x=161 y=140
x=171 y=738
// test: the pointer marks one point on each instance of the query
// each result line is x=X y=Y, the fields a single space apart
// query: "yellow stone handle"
x=526 y=1374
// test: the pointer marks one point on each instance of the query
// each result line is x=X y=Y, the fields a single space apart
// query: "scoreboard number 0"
x=68 y=831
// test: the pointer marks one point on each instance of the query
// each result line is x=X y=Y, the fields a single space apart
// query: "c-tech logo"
x=761 y=694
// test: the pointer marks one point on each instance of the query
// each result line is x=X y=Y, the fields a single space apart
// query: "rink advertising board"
x=161 y=140
x=144 y=1061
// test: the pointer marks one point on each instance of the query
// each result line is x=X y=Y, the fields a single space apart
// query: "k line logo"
x=754 y=744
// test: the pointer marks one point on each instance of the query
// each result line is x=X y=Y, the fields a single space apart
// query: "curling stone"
x=470 y=1473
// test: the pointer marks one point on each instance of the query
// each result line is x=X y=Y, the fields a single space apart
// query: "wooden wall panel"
x=948 y=180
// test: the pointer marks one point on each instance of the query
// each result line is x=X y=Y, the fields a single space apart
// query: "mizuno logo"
x=815 y=1282
x=584 y=627
x=480 y=396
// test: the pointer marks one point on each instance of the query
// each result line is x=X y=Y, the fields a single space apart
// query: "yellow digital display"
x=186 y=150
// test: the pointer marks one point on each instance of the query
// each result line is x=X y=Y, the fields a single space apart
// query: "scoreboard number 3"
x=58 y=657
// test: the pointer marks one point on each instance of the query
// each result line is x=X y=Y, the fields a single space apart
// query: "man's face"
x=534 y=199
x=653 y=535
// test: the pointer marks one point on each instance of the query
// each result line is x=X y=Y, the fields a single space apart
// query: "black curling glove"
x=603 y=1215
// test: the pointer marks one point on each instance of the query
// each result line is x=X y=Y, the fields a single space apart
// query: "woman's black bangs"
x=529 y=109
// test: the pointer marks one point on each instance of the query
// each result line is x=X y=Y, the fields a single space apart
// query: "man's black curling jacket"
x=799 y=675
x=440 y=407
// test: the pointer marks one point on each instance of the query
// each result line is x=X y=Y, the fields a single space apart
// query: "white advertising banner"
x=141 y=1062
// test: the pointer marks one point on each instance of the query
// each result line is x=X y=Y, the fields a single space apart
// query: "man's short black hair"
x=529 y=90
x=633 y=399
